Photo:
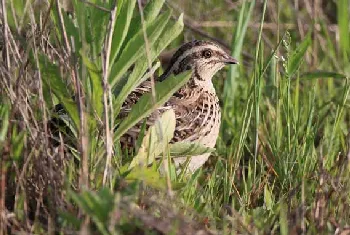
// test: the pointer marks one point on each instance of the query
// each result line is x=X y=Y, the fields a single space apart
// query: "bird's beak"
x=230 y=60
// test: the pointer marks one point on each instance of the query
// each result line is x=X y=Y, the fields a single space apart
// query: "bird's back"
x=197 y=114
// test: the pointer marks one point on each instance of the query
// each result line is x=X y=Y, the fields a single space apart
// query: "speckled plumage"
x=196 y=104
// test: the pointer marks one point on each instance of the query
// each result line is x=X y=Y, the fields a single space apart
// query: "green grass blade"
x=52 y=79
x=156 y=140
x=321 y=74
x=121 y=27
x=4 y=117
x=171 y=31
x=97 y=25
x=152 y=9
x=237 y=45
x=188 y=149
x=96 y=92
x=344 y=25
x=136 y=48
x=145 y=106
x=283 y=220
x=297 y=56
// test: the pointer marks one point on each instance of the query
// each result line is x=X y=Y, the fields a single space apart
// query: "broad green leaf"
x=96 y=85
x=343 y=25
x=18 y=15
x=121 y=27
x=67 y=123
x=56 y=22
x=321 y=74
x=152 y=9
x=128 y=84
x=268 y=198
x=120 y=4
x=71 y=30
x=149 y=175
x=283 y=219
x=145 y=106
x=295 y=59
x=97 y=24
x=52 y=79
x=70 y=218
x=171 y=31
x=97 y=205
x=80 y=18
x=4 y=118
x=188 y=149
x=17 y=144
x=136 y=48
x=141 y=136
x=156 y=140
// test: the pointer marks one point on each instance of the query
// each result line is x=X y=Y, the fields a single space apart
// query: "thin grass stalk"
x=236 y=156
x=5 y=33
x=149 y=63
x=344 y=31
x=83 y=138
x=63 y=29
x=277 y=80
x=237 y=44
x=3 y=166
x=148 y=50
x=3 y=161
x=106 y=94
x=51 y=206
x=339 y=115
x=40 y=83
x=83 y=129
x=80 y=100
x=257 y=89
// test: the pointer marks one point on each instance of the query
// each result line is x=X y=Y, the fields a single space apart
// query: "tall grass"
x=284 y=140
x=281 y=163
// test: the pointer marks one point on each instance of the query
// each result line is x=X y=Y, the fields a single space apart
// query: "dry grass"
x=282 y=161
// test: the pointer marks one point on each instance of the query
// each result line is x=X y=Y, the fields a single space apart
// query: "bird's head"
x=203 y=57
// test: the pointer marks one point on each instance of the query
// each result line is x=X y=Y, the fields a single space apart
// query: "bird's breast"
x=198 y=120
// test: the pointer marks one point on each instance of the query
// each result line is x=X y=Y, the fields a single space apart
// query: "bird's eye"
x=207 y=54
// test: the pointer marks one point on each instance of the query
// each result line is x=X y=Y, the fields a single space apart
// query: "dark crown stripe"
x=178 y=67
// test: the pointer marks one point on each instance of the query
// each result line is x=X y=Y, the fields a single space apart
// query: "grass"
x=281 y=163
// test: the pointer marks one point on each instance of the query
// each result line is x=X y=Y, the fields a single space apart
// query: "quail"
x=196 y=105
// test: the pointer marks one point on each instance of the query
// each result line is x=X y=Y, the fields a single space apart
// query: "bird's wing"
x=130 y=137
x=191 y=109
x=195 y=116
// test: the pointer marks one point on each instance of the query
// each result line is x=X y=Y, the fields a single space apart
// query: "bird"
x=196 y=104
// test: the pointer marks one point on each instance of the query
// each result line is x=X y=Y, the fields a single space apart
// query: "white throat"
x=207 y=85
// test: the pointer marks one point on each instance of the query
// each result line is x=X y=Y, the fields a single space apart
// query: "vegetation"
x=281 y=164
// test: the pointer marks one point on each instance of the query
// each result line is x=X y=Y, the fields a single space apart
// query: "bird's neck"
x=202 y=81
x=197 y=86
x=199 y=79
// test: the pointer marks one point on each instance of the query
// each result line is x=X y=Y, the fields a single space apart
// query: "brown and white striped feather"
x=196 y=110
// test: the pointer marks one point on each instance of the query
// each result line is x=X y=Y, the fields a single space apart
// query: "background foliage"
x=281 y=164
